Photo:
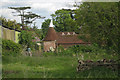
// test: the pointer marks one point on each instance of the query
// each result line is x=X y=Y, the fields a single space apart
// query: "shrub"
x=46 y=54
x=62 y=51
x=75 y=50
x=10 y=47
x=26 y=38
x=60 y=48
x=93 y=48
x=84 y=37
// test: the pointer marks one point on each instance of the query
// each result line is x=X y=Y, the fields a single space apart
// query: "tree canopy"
x=10 y=24
x=100 y=20
x=63 y=20
x=26 y=17
x=21 y=11
x=25 y=38
x=45 y=26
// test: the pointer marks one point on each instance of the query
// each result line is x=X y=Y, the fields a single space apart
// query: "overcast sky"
x=41 y=7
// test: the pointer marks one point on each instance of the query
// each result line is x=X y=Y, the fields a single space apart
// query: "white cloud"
x=42 y=7
x=7 y=13
x=38 y=1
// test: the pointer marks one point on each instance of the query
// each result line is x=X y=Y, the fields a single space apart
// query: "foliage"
x=78 y=49
x=39 y=33
x=60 y=48
x=67 y=52
x=47 y=54
x=94 y=48
x=84 y=37
x=26 y=38
x=10 y=47
x=100 y=21
x=26 y=17
x=10 y=24
x=64 y=21
x=45 y=26
x=21 y=11
x=31 y=17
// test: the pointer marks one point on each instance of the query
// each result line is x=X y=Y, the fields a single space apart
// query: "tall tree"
x=21 y=11
x=45 y=26
x=26 y=17
x=31 y=17
x=64 y=20
x=100 y=20
x=25 y=38
x=10 y=24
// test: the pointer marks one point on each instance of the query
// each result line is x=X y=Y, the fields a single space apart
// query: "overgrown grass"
x=61 y=64
x=50 y=67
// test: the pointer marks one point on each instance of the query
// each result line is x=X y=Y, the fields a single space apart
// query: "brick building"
x=54 y=39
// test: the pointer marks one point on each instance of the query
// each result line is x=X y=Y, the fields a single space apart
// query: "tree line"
x=27 y=17
x=99 y=20
x=10 y=24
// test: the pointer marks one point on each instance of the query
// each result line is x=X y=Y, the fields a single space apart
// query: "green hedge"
x=10 y=47
x=76 y=49
x=93 y=48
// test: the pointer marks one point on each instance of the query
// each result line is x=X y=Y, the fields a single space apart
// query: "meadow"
x=54 y=66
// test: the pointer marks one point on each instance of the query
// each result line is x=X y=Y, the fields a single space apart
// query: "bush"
x=60 y=48
x=93 y=48
x=26 y=38
x=46 y=54
x=77 y=50
x=10 y=47
x=62 y=51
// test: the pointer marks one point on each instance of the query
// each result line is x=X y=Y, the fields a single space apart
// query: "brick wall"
x=48 y=44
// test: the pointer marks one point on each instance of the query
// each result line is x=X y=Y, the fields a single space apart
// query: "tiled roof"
x=63 y=37
x=69 y=39
x=66 y=33
x=51 y=35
